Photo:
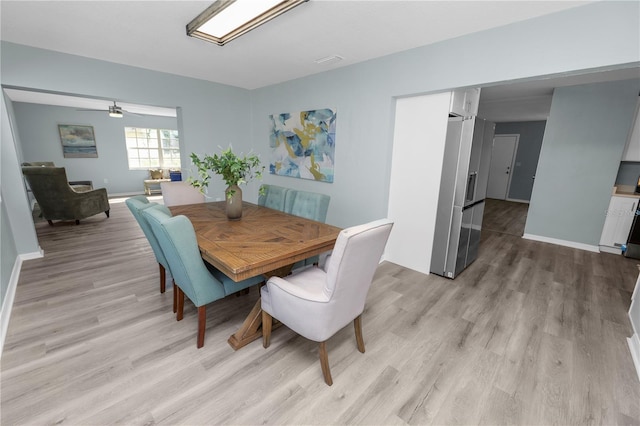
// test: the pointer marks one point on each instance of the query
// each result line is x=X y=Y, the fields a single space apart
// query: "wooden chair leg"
x=357 y=324
x=242 y=292
x=202 y=322
x=163 y=277
x=324 y=363
x=50 y=222
x=107 y=213
x=180 y=308
x=175 y=297
x=77 y=222
x=267 y=322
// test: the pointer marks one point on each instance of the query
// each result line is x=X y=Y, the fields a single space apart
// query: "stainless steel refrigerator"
x=463 y=187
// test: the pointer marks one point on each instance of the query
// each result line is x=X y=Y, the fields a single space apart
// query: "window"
x=149 y=148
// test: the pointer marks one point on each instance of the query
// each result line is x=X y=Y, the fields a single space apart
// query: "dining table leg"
x=251 y=328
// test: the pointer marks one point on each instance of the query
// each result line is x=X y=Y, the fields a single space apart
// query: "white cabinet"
x=617 y=224
x=464 y=102
x=632 y=150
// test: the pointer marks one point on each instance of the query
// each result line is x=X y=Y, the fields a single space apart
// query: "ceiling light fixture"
x=115 y=111
x=225 y=20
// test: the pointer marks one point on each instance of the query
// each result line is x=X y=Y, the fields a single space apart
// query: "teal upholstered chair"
x=274 y=197
x=58 y=201
x=201 y=282
x=309 y=205
x=136 y=205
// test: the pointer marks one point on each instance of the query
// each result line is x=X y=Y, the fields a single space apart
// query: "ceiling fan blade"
x=135 y=114
x=86 y=109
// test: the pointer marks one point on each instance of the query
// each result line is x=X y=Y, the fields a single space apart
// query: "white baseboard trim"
x=517 y=200
x=572 y=244
x=7 y=302
x=35 y=255
x=634 y=348
x=612 y=250
x=125 y=194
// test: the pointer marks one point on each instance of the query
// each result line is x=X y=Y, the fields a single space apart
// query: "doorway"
x=503 y=154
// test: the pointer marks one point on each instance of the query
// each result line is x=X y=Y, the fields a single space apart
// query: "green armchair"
x=58 y=201
x=77 y=185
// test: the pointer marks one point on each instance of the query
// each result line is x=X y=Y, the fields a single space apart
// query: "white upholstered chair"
x=179 y=193
x=318 y=302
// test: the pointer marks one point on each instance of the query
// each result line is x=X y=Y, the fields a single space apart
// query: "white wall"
x=416 y=167
x=634 y=318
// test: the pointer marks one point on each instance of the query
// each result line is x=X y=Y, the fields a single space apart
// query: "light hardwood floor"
x=530 y=334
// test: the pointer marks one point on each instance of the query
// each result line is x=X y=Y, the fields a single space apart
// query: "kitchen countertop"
x=625 y=191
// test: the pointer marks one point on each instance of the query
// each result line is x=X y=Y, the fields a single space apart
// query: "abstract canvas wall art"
x=303 y=144
x=77 y=141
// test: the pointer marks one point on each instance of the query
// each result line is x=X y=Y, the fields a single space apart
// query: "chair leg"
x=175 y=297
x=243 y=292
x=163 y=278
x=77 y=221
x=107 y=213
x=50 y=222
x=357 y=324
x=180 y=308
x=202 y=322
x=324 y=363
x=267 y=323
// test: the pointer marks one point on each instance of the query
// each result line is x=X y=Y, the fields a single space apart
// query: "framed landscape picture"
x=77 y=141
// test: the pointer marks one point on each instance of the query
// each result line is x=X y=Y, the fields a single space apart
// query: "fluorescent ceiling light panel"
x=225 y=20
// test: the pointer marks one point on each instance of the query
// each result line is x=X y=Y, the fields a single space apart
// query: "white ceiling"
x=152 y=35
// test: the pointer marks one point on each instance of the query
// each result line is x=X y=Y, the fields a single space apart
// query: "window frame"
x=158 y=136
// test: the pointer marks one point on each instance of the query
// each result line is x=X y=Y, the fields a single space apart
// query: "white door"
x=502 y=156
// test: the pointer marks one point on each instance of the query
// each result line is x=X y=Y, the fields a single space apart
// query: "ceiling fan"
x=114 y=111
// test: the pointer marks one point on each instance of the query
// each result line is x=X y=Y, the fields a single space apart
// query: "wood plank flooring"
x=507 y=217
x=530 y=334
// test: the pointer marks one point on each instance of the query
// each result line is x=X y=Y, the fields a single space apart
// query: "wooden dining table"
x=263 y=241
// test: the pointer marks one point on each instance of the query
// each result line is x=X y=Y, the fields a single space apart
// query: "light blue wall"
x=584 y=140
x=8 y=251
x=40 y=141
x=16 y=227
x=210 y=114
x=529 y=144
x=13 y=189
x=364 y=94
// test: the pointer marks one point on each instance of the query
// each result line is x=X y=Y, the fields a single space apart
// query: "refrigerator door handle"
x=471 y=186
